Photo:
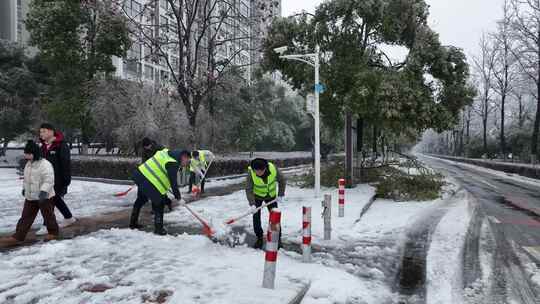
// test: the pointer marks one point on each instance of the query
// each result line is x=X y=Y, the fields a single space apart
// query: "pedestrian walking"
x=264 y=184
x=57 y=152
x=154 y=179
x=38 y=191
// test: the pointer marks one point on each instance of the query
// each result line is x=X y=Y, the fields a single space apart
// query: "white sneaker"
x=42 y=231
x=67 y=222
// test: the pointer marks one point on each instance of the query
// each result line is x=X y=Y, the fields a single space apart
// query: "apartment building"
x=12 y=13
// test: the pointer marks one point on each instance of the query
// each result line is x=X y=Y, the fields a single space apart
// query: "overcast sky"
x=459 y=22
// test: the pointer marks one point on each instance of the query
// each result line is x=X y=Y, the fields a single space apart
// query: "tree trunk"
x=534 y=138
x=503 y=142
x=348 y=149
x=360 y=145
x=521 y=121
x=374 y=139
x=484 y=134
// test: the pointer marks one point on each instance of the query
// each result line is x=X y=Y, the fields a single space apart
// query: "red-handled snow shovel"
x=207 y=230
x=122 y=194
x=249 y=212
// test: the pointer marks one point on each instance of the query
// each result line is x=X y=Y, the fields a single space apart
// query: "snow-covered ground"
x=138 y=267
x=357 y=266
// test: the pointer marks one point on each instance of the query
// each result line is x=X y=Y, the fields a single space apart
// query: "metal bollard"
x=341 y=195
x=327 y=216
x=306 y=234
x=272 y=239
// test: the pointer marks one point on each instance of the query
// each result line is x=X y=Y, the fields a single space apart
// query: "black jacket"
x=59 y=155
x=146 y=154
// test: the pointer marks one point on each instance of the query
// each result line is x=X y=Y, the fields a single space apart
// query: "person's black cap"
x=47 y=126
x=195 y=153
x=32 y=148
x=146 y=142
x=259 y=164
x=185 y=153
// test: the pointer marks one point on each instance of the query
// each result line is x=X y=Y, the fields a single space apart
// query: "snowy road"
x=502 y=255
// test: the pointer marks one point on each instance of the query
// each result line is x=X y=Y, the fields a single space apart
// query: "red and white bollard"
x=272 y=241
x=341 y=201
x=306 y=234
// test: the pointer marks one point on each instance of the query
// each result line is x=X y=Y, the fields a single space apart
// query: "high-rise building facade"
x=12 y=16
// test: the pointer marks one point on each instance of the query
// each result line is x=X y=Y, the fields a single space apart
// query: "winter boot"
x=50 y=237
x=258 y=243
x=158 y=220
x=134 y=220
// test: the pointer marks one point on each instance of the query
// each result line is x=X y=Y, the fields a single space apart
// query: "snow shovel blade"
x=121 y=194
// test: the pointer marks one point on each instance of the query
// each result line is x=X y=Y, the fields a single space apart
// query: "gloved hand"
x=22 y=192
x=279 y=200
x=43 y=196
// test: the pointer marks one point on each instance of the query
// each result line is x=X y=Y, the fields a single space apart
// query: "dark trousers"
x=29 y=213
x=58 y=201
x=192 y=177
x=157 y=207
x=257 y=217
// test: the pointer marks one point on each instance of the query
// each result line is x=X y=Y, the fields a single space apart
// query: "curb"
x=301 y=294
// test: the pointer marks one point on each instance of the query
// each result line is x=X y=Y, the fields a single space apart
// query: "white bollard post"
x=270 y=257
x=306 y=234
x=327 y=215
x=341 y=195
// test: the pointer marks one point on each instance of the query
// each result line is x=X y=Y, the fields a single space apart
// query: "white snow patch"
x=443 y=270
x=134 y=266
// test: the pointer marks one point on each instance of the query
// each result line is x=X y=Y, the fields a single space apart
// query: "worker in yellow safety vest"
x=156 y=177
x=264 y=183
x=199 y=164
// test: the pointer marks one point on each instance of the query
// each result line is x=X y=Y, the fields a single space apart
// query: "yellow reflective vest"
x=262 y=189
x=154 y=169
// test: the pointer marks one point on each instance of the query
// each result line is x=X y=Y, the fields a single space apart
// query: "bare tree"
x=504 y=72
x=526 y=29
x=196 y=42
x=484 y=68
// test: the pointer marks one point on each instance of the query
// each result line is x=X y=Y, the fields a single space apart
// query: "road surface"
x=506 y=203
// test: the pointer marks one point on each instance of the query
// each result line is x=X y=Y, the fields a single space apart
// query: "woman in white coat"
x=38 y=190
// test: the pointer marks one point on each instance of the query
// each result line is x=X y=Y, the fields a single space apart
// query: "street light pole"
x=317 y=127
x=313 y=60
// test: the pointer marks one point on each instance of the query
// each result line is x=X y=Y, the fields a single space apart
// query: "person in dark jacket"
x=264 y=183
x=57 y=152
x=155 y=178
x=149 y=149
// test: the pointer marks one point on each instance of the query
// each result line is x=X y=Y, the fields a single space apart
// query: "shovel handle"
x=250 y=212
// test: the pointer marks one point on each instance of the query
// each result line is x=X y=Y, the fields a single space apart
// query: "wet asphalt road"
x=505 y=203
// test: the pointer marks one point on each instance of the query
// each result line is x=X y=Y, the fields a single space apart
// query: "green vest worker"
x=264 y=183
x=154 y=179
x=200 y=161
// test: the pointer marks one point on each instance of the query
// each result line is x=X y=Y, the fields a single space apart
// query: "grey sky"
x=459 y=22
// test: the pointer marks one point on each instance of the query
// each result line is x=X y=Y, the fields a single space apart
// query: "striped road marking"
x=494 y=220
x=534 y=251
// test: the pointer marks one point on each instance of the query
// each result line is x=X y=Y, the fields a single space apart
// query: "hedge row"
x=122 y=168
x=520 y=169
